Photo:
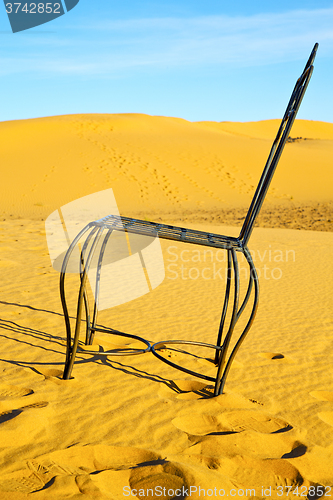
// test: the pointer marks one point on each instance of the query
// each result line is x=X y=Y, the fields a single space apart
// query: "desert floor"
x=133 y=422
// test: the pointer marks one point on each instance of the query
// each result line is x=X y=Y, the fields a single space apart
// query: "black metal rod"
x=87 y=309
x=85 y=294
x=247 y=296
x=225 y=308
x=248 y=325
x=277 y=148
x=97 y=284
x=62 y=289
x=69 y=365
x=234 y=319
x=155 y=346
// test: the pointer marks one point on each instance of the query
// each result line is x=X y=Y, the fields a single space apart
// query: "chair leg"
x=66 y=316
x=234 y=318
x=92 y=327
x=63 y=295
x=223 y=371
x=224 y=310
x=88 y=324
x=85 y=294
x=71 y=349
x=72 y=354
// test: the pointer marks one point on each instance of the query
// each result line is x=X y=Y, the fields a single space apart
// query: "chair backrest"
x=277 y=148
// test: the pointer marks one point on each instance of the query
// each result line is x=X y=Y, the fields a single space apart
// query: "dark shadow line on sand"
x=126 y=369
x=29 y=364
x=130 y=370
x=30 y=307
x=34 y=334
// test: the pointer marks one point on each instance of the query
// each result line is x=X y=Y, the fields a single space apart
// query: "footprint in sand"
x=28 y=484
x=247 y=443
x=227 y=422
x=8 y=414
x=253 y=473
x=272 y=355
x=144 y=477
x=237 y=458
x=185 y=389
x=30 y=480
x=166 y=475
x=200 y=425
x=271 y=472
x=256 y=421
x=12 y=391
x=95 y=470
x=87 y=459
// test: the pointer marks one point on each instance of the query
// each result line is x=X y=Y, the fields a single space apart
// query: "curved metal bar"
x=85 y=295
x=246 y=298
x=87 y=309
x=233 y=322
x=225 y=308
x=73 y=349
x=91 y=330
x=84 y=248
x=62 y=289
x=255 y=278
x=97 y=286
x=178 y=367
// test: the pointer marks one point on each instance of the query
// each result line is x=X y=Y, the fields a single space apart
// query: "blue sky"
x=198 y=60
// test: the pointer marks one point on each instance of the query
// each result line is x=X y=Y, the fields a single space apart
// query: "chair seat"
x=165 y=231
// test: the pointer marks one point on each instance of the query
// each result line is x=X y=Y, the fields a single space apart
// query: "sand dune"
x=133 y=422
x=159 y=165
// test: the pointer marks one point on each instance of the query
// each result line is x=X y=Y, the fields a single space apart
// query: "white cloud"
x=241 y=40
x=107 y=47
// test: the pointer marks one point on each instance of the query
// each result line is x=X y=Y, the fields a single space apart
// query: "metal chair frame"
x=232 y=245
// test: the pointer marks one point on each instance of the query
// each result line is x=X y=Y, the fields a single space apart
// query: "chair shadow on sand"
x=23 y=334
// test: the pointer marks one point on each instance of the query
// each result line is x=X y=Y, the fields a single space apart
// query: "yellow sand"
x=134 y=422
